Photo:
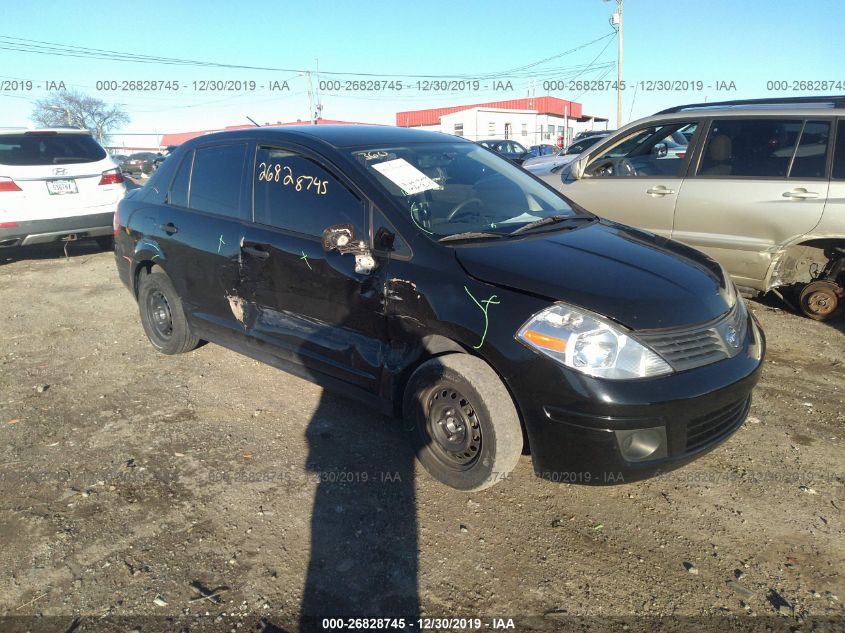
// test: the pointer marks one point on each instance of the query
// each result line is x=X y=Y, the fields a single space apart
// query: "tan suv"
x=759 y=185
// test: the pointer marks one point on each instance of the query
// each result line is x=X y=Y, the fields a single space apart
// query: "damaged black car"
x=439 y=282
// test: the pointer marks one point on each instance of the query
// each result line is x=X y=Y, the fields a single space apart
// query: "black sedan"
x=429 y=277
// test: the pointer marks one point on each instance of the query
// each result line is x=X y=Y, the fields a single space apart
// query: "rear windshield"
x=49 y=149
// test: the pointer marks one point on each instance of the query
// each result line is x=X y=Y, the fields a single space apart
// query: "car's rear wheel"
x=162 y=315
x=464 y=424
x=822 y=300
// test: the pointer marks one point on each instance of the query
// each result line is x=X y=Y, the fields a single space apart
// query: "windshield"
x=452 y=188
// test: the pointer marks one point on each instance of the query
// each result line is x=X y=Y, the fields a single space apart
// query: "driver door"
x=637 y=180
x=305 y=305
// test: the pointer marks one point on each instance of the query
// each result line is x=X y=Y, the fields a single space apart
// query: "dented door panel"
x=312 y=308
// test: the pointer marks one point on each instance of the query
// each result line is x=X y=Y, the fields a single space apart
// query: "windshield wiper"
x=552 y=219
x=470 y=235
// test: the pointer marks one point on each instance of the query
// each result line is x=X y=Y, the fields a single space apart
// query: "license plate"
x=61 y=187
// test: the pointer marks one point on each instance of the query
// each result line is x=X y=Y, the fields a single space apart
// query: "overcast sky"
x=719 y=43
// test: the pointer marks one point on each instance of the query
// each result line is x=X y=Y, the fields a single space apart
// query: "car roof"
x=767 y=104
x=44 y=130
x=338 y=135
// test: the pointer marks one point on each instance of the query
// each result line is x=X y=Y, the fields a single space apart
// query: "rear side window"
x=765 y=148
x=216 y=180
x=839 y=154
x=178 y=193
x=49 y=148
x=295 y=193
x=811 y=157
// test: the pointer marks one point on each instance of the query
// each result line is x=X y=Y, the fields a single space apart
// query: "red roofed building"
x=530 y=121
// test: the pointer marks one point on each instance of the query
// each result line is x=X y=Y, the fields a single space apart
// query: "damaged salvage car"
x=438 y=281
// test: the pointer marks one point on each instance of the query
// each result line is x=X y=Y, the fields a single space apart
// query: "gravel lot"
x=135 y=486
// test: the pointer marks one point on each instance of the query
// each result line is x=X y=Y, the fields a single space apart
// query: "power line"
x=65 y=50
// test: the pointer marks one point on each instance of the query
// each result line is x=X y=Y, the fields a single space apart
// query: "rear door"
x=306 y=305
x=637 y=180
x=199 y=229
x=760 y=183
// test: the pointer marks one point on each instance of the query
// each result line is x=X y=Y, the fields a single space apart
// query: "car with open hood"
x=442 y=284
x=757 y=184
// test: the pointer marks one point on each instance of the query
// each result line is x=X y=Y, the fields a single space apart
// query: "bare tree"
x=68 y=107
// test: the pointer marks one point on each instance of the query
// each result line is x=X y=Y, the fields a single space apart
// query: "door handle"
x=255 y=251
x=169 y=228
x=659 y=190
x=800 y=194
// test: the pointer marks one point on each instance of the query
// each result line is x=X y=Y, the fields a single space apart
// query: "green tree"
x=68 y=107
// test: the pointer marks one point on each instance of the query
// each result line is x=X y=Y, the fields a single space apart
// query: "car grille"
x=703 y=344
x=714 y=426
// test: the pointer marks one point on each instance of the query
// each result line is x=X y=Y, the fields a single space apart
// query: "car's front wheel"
x=822 y=300
x=162 y=315
x=464 y=424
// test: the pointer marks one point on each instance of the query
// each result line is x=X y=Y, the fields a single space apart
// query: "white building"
x=533 y=121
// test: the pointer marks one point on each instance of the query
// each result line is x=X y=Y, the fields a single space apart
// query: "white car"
x=56 y=184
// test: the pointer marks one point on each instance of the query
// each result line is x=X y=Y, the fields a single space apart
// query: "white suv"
x=56 y=184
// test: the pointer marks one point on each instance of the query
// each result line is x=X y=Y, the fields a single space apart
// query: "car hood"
x=544 y=163
x=631 y=276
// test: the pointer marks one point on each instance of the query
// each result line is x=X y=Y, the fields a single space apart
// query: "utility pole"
x=618 y=20
x=307 y=74
x=310 y=98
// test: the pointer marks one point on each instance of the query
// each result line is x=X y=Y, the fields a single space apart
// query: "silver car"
x=544 y=164
x=759 y=186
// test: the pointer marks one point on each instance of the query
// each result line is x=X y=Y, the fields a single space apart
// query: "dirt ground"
x=143 y=492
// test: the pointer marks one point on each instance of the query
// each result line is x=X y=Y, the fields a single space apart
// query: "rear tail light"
x=8 y=225
x=111 y=177
x=7 y=184
x=681 y=155
x=116 y=221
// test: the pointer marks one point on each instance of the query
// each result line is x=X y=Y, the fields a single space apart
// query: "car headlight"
x=731 y=289
x=590 y=344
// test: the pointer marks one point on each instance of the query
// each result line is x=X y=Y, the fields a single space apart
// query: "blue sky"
x=747 y=43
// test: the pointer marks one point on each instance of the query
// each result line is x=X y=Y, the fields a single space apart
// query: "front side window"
x=216 y=180
x=765 y=148
x=297 y=194
x=658 y=150
x=453 y=188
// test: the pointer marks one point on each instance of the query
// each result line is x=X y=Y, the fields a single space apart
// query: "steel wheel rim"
x=160 y=315
x=454 y=428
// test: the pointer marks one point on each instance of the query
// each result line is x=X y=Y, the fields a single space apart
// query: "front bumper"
x=52 y=230
x=582 y=431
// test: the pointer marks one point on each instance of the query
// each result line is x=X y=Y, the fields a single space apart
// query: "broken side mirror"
x=341 y=238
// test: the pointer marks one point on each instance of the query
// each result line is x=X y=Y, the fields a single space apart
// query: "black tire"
x=463 y=422
x=163 y=317
x=105 y=242
x=822 y=300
